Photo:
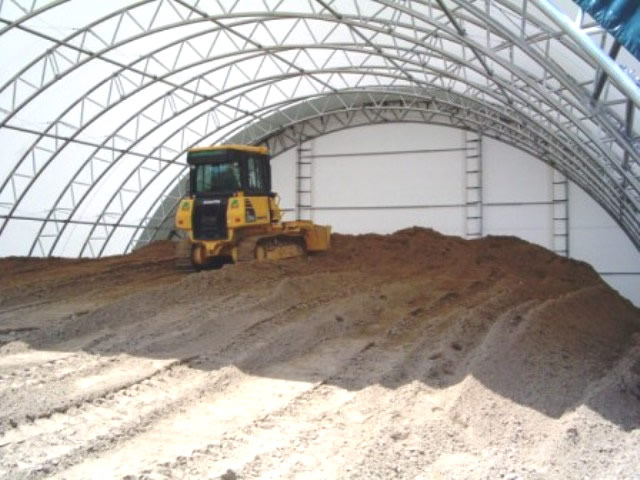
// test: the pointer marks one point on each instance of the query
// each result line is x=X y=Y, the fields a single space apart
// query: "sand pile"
x=414 y=355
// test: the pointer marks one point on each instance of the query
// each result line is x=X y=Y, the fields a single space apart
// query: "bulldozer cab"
x=227 y=170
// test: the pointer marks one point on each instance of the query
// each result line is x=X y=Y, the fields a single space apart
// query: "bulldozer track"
x=247 y=249
x=247 y=246
x=183 y=256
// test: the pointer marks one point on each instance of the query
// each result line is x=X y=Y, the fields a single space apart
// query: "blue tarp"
x=621 y=18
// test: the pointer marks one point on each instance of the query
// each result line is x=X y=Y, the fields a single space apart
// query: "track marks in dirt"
x=107 y=376
x=65 y=438
x=239 y=401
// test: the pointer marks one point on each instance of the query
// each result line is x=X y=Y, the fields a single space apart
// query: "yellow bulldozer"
x=231 y=215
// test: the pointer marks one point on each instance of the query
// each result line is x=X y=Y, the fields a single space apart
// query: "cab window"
x=257 y=175
x=219 y=177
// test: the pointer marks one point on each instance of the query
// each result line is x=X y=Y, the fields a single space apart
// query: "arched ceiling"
x=101 y=100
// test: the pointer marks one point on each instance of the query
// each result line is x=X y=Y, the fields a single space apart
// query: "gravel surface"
x=412 y=356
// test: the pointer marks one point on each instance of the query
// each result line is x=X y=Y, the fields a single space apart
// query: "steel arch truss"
x=143 y=83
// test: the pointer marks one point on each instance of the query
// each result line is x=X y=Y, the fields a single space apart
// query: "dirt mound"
x=45 y=280
x=412 y=355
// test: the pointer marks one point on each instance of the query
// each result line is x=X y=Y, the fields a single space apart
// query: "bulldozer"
x=230 y=214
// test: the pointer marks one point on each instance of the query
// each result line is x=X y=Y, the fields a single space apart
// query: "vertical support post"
x=628 y=130
x=560 y=220
x=473 y=184
x=601 y=75
x=304 y=182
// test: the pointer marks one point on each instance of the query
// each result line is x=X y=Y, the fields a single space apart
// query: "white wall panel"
x=283 y=179
x=390 y=137
x=401 y=179
x=511 y=175
x=627 y=285
x=530 y=222
x=445 y=220
x=390 y=179
x=597 y=239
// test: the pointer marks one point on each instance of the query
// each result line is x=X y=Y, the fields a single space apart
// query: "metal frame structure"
x=106 y=112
